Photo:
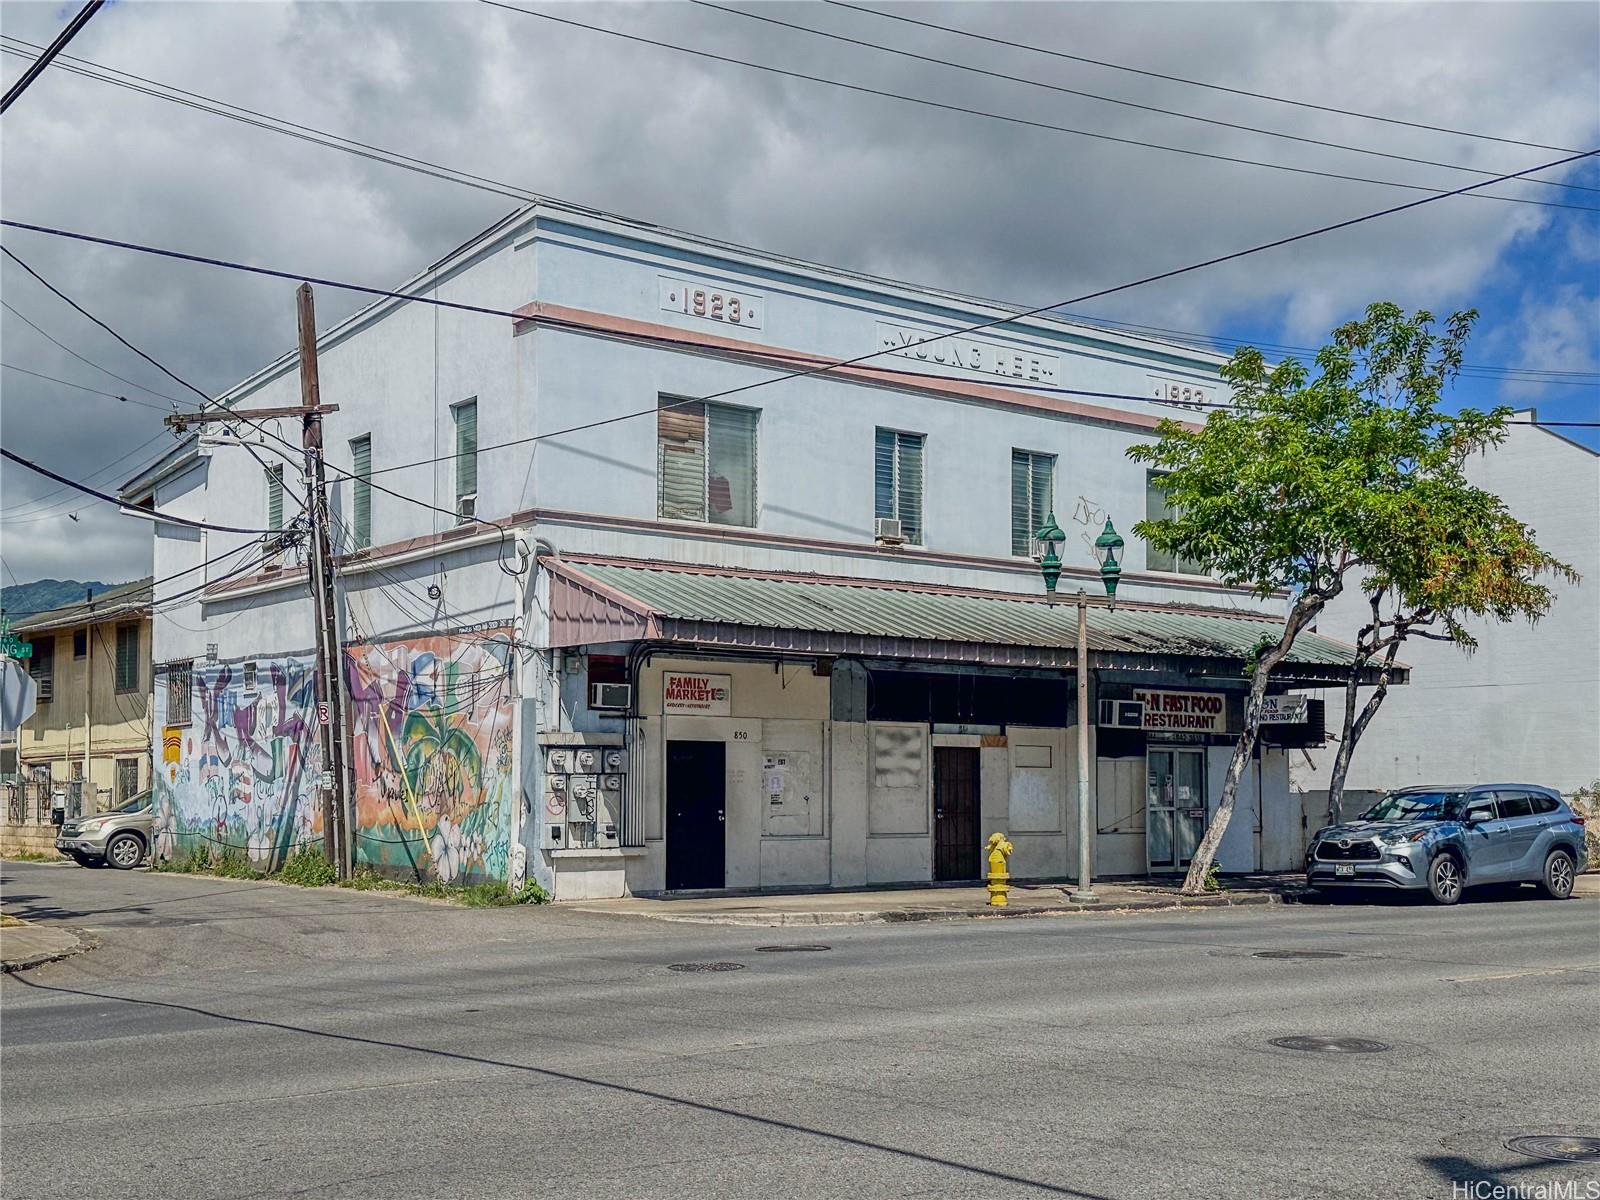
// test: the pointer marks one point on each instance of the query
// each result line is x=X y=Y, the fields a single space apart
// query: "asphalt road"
x=232 y=1039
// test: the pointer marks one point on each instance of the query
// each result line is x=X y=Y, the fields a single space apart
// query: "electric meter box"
x=586 y=761
x=581 y=809
x=560 y=762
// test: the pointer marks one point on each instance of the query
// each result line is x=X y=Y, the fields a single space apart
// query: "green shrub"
x=309 y=867
x=232 y=864
x=1586 y=803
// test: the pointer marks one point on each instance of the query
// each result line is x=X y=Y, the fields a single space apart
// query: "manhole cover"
x=1557 y=1148
x=712 y=966
x=790 y=949
x=1330 y=1045
x=1297 y=954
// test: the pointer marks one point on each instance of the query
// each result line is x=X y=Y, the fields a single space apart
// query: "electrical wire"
x=1011 y=119
x=500 y=187
x=79 y=20
x=1216 y=87
x=33 y=508
x=1150 y=108
x=82 y=388
x=68 y=349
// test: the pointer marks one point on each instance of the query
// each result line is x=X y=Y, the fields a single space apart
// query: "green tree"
x=1295 y=485
x=1447 y=553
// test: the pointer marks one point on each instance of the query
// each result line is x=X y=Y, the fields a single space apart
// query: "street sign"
x=322 y=712
x=11 y=646
x=19 y=694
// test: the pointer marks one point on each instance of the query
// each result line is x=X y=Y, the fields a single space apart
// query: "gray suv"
x=119 y=837
x=1445 y=839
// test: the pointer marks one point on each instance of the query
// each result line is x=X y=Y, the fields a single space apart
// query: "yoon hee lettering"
x=705 y=695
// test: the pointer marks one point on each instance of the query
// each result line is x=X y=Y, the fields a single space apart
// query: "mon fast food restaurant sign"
x=701 y=695
x=1186 y=712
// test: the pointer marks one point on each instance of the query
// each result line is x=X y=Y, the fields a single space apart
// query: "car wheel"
x=1444 y=879
x=1559 y=873
x=124 y=851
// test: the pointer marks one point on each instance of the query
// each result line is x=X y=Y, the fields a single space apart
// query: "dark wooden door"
x=696 y=815
x=957 y=836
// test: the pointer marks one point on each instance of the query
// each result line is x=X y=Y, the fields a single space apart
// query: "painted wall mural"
x=431 y=721
x=242 y=774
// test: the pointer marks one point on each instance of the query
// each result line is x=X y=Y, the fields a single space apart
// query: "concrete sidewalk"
x=889 y=906
x=26 y=945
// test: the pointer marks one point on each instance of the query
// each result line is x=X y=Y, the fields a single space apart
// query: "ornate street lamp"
x=1107 y=547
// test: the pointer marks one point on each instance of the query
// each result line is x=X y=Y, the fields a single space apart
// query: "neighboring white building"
x=792 y=636
x=1524 y=707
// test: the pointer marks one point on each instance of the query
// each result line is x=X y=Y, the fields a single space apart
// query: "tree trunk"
x=1355 y=725
x=1304 y=611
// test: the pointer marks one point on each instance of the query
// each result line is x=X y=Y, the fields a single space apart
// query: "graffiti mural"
x=242 y=774
x=431 y=720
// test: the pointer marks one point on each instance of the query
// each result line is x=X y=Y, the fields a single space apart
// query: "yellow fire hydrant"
x=999 y=877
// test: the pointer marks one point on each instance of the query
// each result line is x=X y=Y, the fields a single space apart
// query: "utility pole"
x=88 y=694
x=333 y=785
x=336 y=823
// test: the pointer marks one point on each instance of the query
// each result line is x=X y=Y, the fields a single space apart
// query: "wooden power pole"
x=337 y=806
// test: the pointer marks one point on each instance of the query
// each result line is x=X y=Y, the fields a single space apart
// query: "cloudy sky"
x=960 y=201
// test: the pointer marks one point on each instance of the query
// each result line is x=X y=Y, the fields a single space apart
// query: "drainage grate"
x=711 y=966
x=1557 y=1148
x=791 y=949
x=1330 y=1045
x=1297 y=954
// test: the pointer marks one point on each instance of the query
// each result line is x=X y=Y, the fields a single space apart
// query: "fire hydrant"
x=999 y=877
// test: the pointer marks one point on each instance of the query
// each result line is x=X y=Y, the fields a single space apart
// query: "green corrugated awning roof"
x=895 y=617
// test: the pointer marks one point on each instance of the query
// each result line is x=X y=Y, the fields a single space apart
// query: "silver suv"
x=119 y=837
x=1447 y=839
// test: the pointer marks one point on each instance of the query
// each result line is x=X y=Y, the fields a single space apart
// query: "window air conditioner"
x=886 y=531
x=611 y=695
x=1121 y=714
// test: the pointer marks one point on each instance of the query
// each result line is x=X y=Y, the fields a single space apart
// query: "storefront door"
x=1175 y=807
x=956 y=831
x=696 y=815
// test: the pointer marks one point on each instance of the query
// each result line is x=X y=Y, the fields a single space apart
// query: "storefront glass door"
x=1175 y=807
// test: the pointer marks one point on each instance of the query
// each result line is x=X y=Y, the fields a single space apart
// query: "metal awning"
x=593 y=601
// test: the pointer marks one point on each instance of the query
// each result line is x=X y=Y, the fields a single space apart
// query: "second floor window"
x=275 y=498
x=42 y=666
x=466 y=421
x=127 y=658
x=1032 y=497
x=706 y=462
x=897 y=481
x=1157 y=508
x=361 y=492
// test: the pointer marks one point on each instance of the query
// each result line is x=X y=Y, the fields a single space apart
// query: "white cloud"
x=1556 y=331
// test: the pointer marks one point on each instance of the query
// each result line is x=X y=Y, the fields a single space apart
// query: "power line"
x=104 y=470
x=53 y=49
x=165 y=518
x=1005 y=319
x=1150 y=108
x=1028 y=122
x=87 y=361
x=1216 y=87
x=82 y=387
x=500 y=187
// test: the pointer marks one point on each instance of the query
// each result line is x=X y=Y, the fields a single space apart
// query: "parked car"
x=1446 y=839
x=119 y=837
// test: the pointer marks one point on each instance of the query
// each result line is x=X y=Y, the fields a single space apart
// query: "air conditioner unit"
x=467 y=506
x=886 y=531
x=1121 y=714
x=611 y=695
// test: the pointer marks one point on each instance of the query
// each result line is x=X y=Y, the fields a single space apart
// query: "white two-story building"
x=635 y=597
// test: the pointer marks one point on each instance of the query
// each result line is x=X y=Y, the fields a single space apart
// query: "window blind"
x=681 y=461
x=706 y=462
x=897 y=480
x=1032 y=497
x=466 y=417
x=127 y=658
x=361 y=491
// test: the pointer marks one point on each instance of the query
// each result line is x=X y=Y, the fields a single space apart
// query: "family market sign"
x=1189 y=712
x=697 y=695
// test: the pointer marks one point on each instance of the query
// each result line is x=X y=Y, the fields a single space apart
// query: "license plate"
x=1344 y=869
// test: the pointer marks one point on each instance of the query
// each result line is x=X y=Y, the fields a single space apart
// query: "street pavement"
x=236 y=1039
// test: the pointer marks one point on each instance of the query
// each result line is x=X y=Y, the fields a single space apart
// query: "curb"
x=11 y=966
x=903 y=916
